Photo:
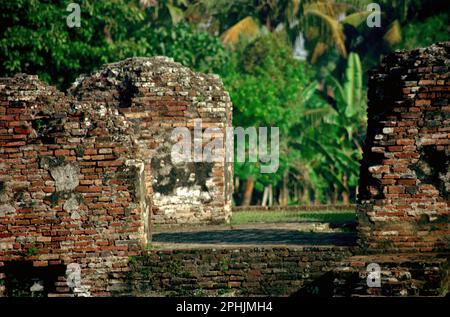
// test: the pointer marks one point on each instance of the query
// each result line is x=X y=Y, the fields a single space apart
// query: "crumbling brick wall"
x=405 y=178
x=155 y=96
x=81 y=173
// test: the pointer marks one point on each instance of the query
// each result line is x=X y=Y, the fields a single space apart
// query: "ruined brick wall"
x=81 y=173
x=427 y=274
x=68 y=191
x=405 y=178
x=155 y=96
x=235 y=271
x=283 y=271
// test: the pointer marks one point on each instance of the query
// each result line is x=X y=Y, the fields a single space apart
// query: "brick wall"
x=283 y=271
x=80 y=173
x=155 y=96
x=399 y=275
x=405 y=177
x=244 y=271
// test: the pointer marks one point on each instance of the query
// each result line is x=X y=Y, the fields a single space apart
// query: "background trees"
x=35 y=38
x=296 y=64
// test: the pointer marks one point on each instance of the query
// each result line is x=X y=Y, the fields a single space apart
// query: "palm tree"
x=323 y=22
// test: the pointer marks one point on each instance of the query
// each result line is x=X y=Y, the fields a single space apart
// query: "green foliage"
x=35 y=39
x=319 y=142
x=152 y=246
x=224 y=264
x=344 y=129
x=353 y=86
x=224 y=290
x=320 y=136
x=198 y=50
x=423 y=33
x=269 y=89
x=350 y=101
x=32 y=251
x=133 y=260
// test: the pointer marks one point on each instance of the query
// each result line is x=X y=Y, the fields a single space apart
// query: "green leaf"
x=356 y=19
x=309 y=91
x=175 y=13
x=353 y=85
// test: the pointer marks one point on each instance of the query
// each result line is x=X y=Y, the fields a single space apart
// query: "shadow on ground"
x=257 y=236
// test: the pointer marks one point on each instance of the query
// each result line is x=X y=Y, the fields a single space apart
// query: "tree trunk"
x=270 y=196
x=265 y=196
x=295 y=196
x=236 y=184
x=248 y=192
x=268 y=24
x=315 y=200
x=306 y=199
x=345 y=194
x=284 y=195
x=334 y=195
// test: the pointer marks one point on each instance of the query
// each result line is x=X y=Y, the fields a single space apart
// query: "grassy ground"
x=246 y=217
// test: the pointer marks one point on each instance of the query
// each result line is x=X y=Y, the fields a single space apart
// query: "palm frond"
x=394 y=33
x=319 y=50
x=356 y=19
x=247 y=27
x=175 y=13
x=335 y=28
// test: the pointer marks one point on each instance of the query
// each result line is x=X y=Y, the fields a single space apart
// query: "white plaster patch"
x=6 y=246
x=37 y=287
x=7 y=210
x=183 y=196
x=66 y=177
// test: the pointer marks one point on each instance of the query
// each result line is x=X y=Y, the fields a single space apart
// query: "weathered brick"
x=415 y=137
x=76 y=182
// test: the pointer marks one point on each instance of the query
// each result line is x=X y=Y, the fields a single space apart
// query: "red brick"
x=396 y=189
x=40 y=263
x=110 y=163
x=88 y=189
x=406 y=182
x=395 y=148
x=90 y=151
x=406 y=142
x=22 y=130
x=420 y=103
x=62 y=152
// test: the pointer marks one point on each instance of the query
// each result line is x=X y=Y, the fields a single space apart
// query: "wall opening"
x=22 y=279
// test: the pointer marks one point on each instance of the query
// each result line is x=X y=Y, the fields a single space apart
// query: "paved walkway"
x=256 y=234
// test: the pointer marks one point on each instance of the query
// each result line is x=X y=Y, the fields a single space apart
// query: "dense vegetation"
x=296 y=64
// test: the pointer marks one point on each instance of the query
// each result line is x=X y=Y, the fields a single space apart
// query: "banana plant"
x=339 y=141
x=349 y=96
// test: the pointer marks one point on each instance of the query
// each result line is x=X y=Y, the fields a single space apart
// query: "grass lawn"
x=246 y=217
